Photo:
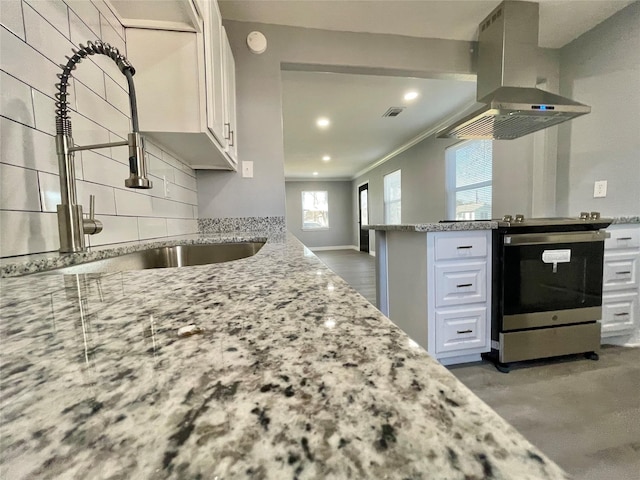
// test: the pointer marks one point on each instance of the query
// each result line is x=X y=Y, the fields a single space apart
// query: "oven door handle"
x=555 y=237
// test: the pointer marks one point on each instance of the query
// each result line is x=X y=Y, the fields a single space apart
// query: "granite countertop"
x=625 y=220
x=270 y=367
x=436 y=226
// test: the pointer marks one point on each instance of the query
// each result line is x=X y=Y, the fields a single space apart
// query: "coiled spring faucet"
x=72 y=226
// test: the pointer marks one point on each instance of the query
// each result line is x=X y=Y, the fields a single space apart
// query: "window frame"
x=451 y=187
x=387 y=204
x=313 y=229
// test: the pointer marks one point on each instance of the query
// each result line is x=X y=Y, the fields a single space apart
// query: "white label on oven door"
x=556 y=256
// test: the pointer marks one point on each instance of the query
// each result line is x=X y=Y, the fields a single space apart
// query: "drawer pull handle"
x=464 y=246
x=463 y=285
x=464 y=331
x=626 y=272
x=622 y=314
x=623 y=238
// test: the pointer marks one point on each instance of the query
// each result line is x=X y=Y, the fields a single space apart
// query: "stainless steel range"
x=547 y=287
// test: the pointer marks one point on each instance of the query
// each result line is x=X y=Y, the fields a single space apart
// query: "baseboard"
x=335 y=247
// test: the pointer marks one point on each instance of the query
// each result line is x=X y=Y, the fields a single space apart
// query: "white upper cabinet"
x=181 y=85
x=214 y=38
x=230 y=99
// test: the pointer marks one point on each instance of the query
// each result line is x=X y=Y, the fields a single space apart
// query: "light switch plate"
x=247 y=169
x=600 y=189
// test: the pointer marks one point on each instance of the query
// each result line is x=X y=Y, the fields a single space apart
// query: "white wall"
x=35 y=37
x=341 y=219
x=602 y=69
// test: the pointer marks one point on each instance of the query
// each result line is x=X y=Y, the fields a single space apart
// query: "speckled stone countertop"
x=270 y=367
x=622 y=220
x=436 y=226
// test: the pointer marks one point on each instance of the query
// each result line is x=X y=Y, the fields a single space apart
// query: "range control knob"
x=507 y=218
x=519 y=218
x=595 y=215
x=584 y=215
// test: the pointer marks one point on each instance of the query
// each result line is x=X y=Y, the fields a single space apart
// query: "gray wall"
x=341 y=217
x=259 y=92
x=602 y=69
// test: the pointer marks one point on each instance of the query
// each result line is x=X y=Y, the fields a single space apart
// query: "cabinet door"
x=619 y=312
x=230 y=97
x=620 y=271
x=214 y=68
x=460 y=283
x=461 y=329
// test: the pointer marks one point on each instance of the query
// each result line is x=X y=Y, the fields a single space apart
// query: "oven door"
x=551 y=279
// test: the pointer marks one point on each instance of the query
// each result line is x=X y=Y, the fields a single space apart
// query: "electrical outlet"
x=600 y=189
x=167 y=192
x=247 y=169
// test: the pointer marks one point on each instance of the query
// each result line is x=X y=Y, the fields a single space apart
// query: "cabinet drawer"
x=461 y=329
x=619 y=313
x=620 y=271
x=449 y=246
x=627 y=237
x=461 y=283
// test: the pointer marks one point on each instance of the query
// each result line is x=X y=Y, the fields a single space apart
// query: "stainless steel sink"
x=167 y=257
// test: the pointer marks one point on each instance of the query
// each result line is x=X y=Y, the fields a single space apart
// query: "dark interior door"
x=363 y=216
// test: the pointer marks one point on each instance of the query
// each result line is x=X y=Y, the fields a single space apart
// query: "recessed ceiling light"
x=326 y=158
x=411 y=95
x=315 y=174
x=323 y=122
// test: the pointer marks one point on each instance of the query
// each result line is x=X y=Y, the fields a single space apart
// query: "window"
x=469 y=174
x=392 y=198
x=315 y=210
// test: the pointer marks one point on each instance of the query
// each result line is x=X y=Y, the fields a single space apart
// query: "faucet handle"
x=92 y=207
x=90 y=225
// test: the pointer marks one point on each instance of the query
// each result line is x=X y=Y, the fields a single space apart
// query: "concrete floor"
x=584 y=415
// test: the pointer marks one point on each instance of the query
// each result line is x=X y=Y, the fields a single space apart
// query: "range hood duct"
x=507 y=76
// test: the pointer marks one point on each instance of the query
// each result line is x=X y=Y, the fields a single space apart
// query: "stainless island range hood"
x=507 y=76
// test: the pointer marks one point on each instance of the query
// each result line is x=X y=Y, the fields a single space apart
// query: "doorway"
x=363 y=216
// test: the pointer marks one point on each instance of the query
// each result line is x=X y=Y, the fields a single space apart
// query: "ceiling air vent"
x=393 y=112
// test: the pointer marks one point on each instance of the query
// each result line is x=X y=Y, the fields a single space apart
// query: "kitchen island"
x=267 y=367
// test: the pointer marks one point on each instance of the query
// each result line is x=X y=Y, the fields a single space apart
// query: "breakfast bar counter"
x=269 y=367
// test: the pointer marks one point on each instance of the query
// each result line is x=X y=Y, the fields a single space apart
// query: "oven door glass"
x=555 y=276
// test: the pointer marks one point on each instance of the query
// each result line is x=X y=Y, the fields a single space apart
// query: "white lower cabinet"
x=460 y=329
x=436 y=286
x=621 y=285
x=459 y=307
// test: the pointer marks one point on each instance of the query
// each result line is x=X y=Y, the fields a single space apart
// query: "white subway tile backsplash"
x=110 y=36
x=105 y=198
x=89 y=15
x=181 y=227
x=18 y=188
x=26 y=64
x=15 y=100
x=110 y=117
x=129 y=202
x=44 y=109
x=106 y=15
x=49 y=191
x=11 y=17
x=90 y=75
x=115 y=230
x=100 y=169
x=27 y=232
x=45 y=38
x=116 y=96
x=152 y=227
x=53 y=11
x=27 y=147
x=184 y=195
x=185 y=180
x=87 y=132
x=160 y=169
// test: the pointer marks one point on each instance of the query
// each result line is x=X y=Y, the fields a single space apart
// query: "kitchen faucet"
x=72 y=226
